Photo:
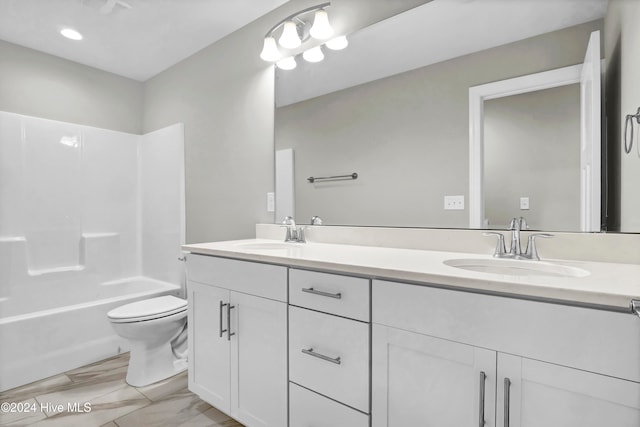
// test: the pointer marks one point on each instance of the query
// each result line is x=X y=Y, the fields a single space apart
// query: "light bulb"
x=337 y=43
x=290 y=38
x=321 y=29
x=270 y=50
x=288 y=63
x=70 y=33
x=313 y=55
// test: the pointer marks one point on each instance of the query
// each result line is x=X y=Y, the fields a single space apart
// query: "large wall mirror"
x=394 y=108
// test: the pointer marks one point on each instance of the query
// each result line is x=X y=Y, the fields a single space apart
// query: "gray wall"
x=407 y=136
x=622 y=41
x=532 y=149
x=225 y=96
x=226 y=107
x=41 y=85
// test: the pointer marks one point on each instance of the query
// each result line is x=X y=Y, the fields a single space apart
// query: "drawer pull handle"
x=507 y=385
x=322 y=293
x=222 y=331
x=310 y=352
x=483 y=379
x=229 y=333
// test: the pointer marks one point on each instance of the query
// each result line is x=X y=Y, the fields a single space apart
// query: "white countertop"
x=609 y=285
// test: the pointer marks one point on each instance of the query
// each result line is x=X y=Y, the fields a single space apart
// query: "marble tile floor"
x=97 y=395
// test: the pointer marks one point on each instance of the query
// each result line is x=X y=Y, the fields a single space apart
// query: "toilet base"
x=150 y=365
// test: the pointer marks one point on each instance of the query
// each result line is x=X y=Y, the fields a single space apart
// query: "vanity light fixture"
x=313 y=55
x=337 y=43
x=321 y=29
x=288 y=63
x=270 y=52
x=71 y=34
x=294 y=31
x=290 y=38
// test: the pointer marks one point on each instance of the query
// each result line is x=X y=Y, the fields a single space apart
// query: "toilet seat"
x=149 y=309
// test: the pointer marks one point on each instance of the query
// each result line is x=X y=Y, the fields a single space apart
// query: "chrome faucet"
x=516 y=225
x=515 y=251
x=294 y=233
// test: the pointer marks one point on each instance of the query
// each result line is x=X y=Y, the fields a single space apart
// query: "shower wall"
x=162 y=221
x=86 y=204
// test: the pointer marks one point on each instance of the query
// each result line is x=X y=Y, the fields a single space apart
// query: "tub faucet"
x=294 y=233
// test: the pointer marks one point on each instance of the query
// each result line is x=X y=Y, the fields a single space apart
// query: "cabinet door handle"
x=229 y=333
x=483 y=379
x=322 y=293
x=310 y=352
x=507 y=385
x=222 y=331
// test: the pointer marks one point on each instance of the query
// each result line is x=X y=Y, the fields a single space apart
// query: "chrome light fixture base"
x=297 y=29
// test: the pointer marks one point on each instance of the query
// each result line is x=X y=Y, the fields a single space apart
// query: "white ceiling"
x=153 y=35
x=138 y=42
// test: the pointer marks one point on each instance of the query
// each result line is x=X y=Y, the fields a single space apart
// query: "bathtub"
x=40 y=339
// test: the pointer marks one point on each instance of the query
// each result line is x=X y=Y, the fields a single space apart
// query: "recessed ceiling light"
x=70 y=33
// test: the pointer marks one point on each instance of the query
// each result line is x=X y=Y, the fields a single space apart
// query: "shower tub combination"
x=90 y=219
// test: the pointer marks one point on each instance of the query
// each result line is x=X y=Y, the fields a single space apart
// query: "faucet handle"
x=300 y=237
x=287 y=237
x=500 y=251
x=316 y=220
x=532 y=249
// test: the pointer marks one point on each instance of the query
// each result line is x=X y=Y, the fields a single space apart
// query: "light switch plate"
x=271 y=202
x=524 y=203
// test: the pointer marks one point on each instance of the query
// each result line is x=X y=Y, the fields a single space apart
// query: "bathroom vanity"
x=349 y=335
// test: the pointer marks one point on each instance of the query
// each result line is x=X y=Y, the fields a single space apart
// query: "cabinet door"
x=209 y=365
x=258 y=361
x=424 y=381
x=546 y=395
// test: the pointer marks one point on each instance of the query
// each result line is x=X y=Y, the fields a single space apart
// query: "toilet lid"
x=149 y=309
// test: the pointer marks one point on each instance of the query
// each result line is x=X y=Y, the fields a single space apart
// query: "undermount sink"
x=267 y=246
x=514 y=267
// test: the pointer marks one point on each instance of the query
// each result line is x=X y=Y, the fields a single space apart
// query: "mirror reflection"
x=406 y=134
x=532 y=159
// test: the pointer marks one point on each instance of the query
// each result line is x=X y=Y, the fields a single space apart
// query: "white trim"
x=590 y=136
x=477 y=96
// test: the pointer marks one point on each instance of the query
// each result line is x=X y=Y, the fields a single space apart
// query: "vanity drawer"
x=253 y=278
x=330 y=355
x=307 y=408
x=535 y=330
x=332 y=293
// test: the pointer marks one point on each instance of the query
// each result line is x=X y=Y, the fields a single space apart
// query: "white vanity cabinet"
x=539 y=394
x=237 y=324
x=451 y=358
x=329 y=350
x=422 y=380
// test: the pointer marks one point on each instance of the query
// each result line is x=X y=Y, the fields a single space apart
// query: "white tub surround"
x=90 y=219
x=393 y=336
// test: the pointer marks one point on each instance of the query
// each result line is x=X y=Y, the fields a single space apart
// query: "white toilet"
x=156 y=329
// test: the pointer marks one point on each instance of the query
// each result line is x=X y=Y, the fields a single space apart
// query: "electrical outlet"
x=524 y=203
x=455 y=203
